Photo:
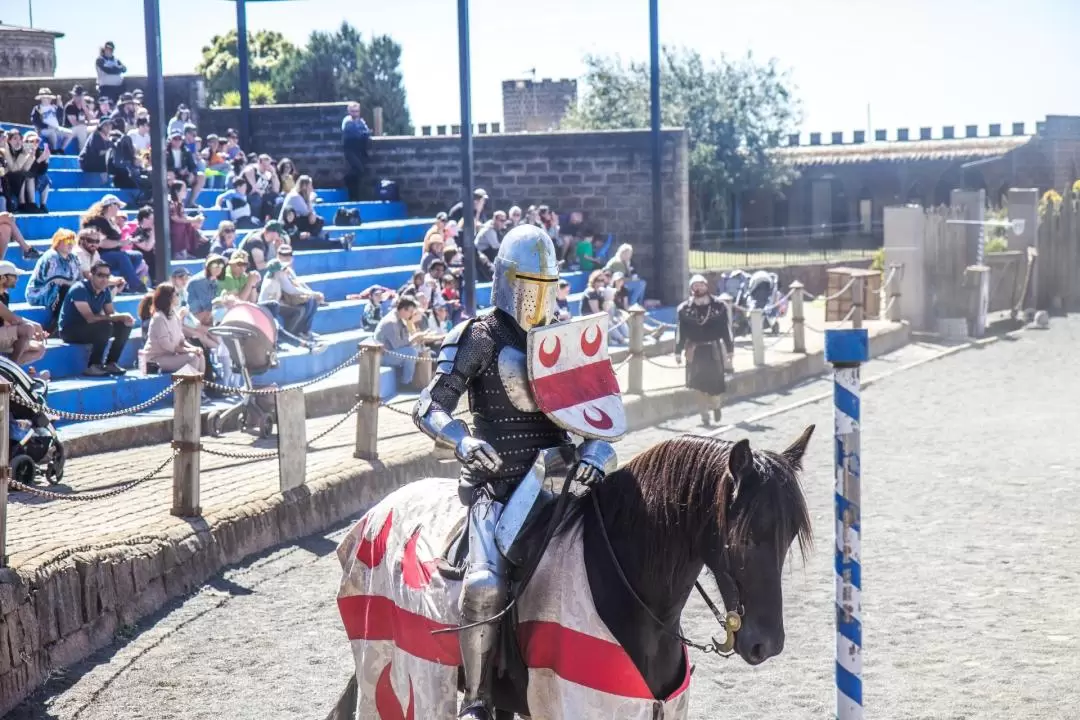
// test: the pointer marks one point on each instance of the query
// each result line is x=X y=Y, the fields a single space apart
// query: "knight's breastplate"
x=506 y=416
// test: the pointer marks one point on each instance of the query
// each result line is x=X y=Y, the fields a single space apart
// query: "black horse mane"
x=677 y=496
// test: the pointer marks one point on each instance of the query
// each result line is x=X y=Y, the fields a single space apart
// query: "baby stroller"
x=250 y=334
x=33 y=444
x=759 y=290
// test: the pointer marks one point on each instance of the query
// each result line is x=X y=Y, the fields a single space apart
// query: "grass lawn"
x=751 y=259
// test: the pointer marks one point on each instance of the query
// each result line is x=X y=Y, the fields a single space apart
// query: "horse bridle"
x=730 y=621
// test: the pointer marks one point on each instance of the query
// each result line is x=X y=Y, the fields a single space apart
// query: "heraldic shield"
x=572 y=380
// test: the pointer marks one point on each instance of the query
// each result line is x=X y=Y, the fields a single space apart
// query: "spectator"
x=399 y=343
x=440 y=321
x=618 y=332
x=549 y=221
x=196 y=333
x=181 y=163
x=76 y=117
x=513 y=217
x=123 y=165
x=21 y=340
x=125 y=116
x=586 y=254
x=287 y=175
x=302 y=202
x=139 y=236
x=488 y=237
x=232 y=147
x=415 y=283
x=532 y=216
x=235 y=202
x=38 y=177
x=87 y=317
x=9 y=230
x=140 y=136
x=179 y=120
x=203 y=289
x=622 y=295
x=166 y=345
x=432 y=286
x=237 y=282
x=480 y=197
x=260 y=247
x=264 y=187
x=86 y=252
x=54 y=274
x=18 y=159
x=184 y=229
x=193 y=143
x=224 y=242
x=104 y=108
x=355 y=140
x=47 y=118
x=128 y=264
x=94 y=155
x=593 y=299
x=436 y=232
x=562 y=301
x=217 y=164
x=373 y=308
x=110 y=72
x=621 y=263
x=434 y=253
x=291 y=301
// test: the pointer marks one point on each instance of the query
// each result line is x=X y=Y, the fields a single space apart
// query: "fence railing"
x=189 y=443
x=777 y=247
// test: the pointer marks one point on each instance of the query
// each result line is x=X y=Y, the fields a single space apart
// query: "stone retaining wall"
x=58 y=610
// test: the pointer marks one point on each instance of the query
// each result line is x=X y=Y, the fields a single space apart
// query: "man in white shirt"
x=140 y=135
x=487 y=237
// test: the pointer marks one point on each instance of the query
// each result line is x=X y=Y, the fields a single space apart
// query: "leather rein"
x=731 y=621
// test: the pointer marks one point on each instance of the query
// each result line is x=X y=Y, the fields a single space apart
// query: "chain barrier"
x=275 y=390
x=82 y=417
x=93 y=495
x=240 y=454
x=348 y=414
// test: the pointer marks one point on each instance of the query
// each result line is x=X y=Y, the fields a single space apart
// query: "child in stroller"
x=757 y=290
x=33 y=444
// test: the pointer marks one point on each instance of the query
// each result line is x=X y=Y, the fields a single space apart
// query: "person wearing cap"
x=47 y=118
x=94 y=155
x=182 y=164
x=20 y=339
x=110 y=72
x=238 y=283
x=128 y=264
x=126 y=113
x=87 y=317
x=480 y=197
x=76 y=118
x=291 y=301
x=435 y=232
x=260 y=247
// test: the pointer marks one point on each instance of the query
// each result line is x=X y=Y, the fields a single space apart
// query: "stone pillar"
x=757 y=335
x=798 y=317
x=367 y=392
x=905 y=229
x=636 y=384
x=972 y=206
x=187 y=428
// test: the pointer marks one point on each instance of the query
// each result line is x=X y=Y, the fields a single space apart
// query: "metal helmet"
x=526 y=277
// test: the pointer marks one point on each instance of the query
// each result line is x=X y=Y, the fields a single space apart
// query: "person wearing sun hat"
x=47 y=118
x=236 y=282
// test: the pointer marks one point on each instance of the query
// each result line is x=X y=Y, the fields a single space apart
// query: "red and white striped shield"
x=572 y=379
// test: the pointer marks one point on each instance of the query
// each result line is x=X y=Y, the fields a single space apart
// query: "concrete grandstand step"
x=81 y=197
x=378 y=232
x=43 y=226
x=64 y=162
x=103 y=395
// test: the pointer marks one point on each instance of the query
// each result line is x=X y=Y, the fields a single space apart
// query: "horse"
x=598 y=625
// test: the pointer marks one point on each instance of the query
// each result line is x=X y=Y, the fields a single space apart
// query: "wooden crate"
x=837 y=309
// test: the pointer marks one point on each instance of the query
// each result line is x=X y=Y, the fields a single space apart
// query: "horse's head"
x=764 y=511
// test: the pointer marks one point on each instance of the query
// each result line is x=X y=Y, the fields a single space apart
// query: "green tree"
x=220 y=63
x=260 y=93
x=734 y=112
x=337 y=66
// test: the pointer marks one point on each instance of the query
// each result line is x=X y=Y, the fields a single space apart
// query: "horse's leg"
x=504 y=715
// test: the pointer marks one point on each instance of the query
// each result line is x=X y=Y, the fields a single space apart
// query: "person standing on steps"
x=704 y=334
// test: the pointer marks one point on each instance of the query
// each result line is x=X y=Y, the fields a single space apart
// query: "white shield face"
x=572 y=379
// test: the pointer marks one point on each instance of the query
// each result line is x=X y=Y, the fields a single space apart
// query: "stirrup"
x=476 y=710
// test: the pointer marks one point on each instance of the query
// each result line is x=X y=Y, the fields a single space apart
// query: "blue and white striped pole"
x=847 y=349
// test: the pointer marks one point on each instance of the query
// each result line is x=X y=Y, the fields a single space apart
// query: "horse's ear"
x=740 y=461
x=795 y=451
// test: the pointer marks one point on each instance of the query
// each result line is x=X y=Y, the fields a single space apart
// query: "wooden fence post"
x=292 y=438
x=757 y=335
x=377 y=121
x=187 y=428
x=858 y=295
x=798 y=316
x=367 y=393
x=892 y=299
x=5 y=466
x=636 y=384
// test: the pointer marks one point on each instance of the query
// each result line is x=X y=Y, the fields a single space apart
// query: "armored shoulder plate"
x=445 y=362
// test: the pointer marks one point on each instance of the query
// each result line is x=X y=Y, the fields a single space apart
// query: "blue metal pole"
x=847 y=349
x=654 y=109
x=155 y=102
x=245 y=91
x=468 y=290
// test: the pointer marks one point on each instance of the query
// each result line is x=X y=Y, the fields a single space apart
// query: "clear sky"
x=914 y=62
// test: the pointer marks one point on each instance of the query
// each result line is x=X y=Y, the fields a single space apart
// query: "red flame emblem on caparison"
x=386 y=702
x=548 y=358
x=371 y=552
x=591 y=347
x=604 y=422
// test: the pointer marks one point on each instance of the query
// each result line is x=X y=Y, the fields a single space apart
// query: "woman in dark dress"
x=704 y=333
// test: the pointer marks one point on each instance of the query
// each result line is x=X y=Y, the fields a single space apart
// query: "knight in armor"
x=704 y=334
x=486 y=357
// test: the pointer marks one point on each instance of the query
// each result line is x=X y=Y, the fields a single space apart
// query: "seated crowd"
x=418 y=315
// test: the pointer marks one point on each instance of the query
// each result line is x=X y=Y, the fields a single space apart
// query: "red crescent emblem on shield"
x=590 y=347
x=548 y=359
x=604 y=422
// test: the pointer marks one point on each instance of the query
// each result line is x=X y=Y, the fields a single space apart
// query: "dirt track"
x=971 y=573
